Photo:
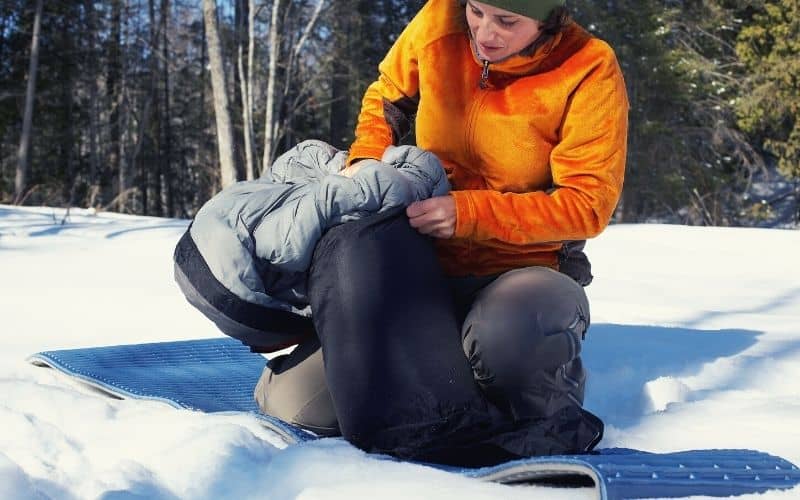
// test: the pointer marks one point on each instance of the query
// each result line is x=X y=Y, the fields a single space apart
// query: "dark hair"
x=556 y=22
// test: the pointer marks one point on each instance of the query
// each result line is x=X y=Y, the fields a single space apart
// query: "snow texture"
x=694 y=344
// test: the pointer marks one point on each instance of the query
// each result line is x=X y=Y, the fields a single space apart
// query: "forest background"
x=152 y=106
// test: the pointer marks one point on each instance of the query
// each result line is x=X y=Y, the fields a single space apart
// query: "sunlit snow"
x=695 y=343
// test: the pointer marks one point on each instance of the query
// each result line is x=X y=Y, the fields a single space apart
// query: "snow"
x=694 y=344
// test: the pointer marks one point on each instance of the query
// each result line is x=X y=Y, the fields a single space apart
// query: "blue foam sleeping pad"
x=218 y=375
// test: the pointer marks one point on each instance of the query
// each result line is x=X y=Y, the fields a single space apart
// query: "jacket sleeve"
x=587 y=166
x=390 y=103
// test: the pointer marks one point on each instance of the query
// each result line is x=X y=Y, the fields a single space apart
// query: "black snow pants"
x=468 y=371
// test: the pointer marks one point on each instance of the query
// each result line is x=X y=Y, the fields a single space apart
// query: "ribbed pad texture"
x=218 y=375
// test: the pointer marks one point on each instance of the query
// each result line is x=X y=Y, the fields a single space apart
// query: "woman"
x=462 y=345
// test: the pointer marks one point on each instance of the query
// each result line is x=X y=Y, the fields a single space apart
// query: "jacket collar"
x=517 y=64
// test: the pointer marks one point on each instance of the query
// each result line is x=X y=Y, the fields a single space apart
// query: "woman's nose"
x=485 y=30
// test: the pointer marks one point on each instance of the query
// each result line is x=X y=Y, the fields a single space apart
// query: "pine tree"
x=769 y=109
x=687 y=160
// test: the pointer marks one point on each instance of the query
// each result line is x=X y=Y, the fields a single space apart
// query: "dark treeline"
x=152 y=106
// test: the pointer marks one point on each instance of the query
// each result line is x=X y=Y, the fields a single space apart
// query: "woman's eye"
x=507 y=24
x=476 y=12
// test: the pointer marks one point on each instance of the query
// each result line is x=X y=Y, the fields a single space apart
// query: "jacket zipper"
x=484 y=83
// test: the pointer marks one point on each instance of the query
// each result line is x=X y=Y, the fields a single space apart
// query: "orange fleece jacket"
x=535 y=158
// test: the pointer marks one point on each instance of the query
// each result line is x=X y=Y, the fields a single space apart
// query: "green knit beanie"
x=535 y=9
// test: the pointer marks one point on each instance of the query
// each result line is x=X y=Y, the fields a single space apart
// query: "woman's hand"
x=435 y=216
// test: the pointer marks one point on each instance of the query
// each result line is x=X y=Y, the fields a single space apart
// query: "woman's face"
x=499 y=33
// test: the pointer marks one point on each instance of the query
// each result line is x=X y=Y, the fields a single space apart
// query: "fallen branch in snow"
x=27 y=193
x=701 y=207
x=119 y=200
x=66 y=216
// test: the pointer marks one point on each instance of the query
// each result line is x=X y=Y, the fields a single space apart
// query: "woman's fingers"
x=434 y=216
x=416 y=209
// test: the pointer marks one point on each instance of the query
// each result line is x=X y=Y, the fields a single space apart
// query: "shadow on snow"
x=53 y=229
x=621 y=359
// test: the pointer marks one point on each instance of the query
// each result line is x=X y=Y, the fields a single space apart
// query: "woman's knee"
x=526 y=322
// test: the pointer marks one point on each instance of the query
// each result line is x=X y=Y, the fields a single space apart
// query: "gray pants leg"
x=522 y=335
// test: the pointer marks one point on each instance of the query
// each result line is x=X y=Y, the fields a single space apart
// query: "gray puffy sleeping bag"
x=244 y=259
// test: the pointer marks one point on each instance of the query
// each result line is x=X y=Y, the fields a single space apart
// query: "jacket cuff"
x=364 y=152
x=465 y=214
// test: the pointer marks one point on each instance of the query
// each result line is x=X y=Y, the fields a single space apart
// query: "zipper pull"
x=484 y=83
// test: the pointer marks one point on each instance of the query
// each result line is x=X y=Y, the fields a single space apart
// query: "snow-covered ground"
x=695 y=343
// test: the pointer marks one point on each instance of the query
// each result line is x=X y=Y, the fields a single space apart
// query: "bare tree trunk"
x=289 y=73
x=251 y=51
x=152 y=168
x=3 y=24
x=200 y=153
x=136 y=150
x=138 y=114
x=113 y=83
x=25 y=138
x=95 y=183
x=221 y=105
x=244 y=83
x=166 y=171
x=69 y=143
x=340 y=96
x=269 y=120
x=312 y=21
